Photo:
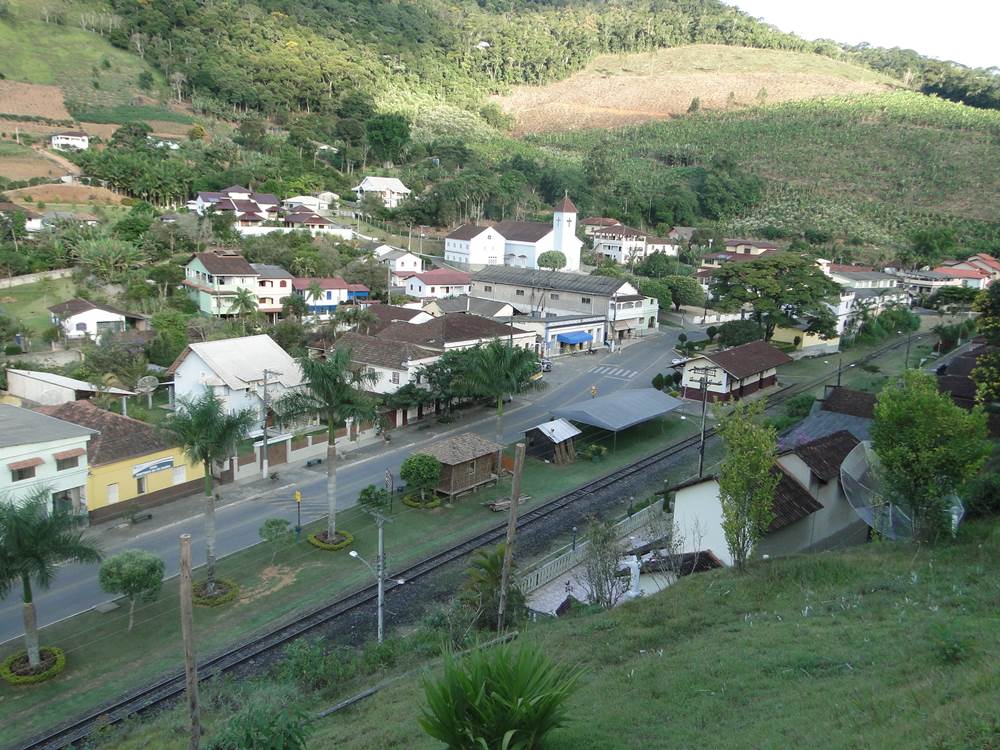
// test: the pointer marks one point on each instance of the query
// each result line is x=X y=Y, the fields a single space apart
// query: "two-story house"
x=737 y=250
x=545 y=294
x=399 y=261
x=391 y=364
x=213 y=279
x=39 y=453
x=274 y=285
x=322 y=295
x=70 y=140
x=233 y=371
x=624 y=245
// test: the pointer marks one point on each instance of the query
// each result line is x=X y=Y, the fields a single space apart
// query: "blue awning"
x=577 y=337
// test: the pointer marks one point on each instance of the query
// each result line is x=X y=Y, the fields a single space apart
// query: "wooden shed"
x=552 y=441
x=467 y=461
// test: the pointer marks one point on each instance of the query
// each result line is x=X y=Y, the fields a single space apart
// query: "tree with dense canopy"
x=782 y=289
x=421 y=472
x=927 y=448
x=335 y=391
x=134 y=574
x=553 y=260
x=208 y=435
x=33 y=544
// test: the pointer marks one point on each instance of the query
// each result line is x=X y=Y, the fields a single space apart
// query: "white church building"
x=517 y=243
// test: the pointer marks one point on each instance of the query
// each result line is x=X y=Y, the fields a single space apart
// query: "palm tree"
x=355 y=317
x=33 y=543
x=497 y=371
x=334 y=391
x=243 y=306
x=208 y=434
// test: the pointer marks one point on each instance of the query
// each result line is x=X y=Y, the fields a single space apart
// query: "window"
x=18 y=475
x=553 y=295
x=112 y=493
x=178 y=475
x=140 y=486
x=487 y=288
x=432 y=290
x=585 y=300
x=472 y=468
x=81 y=326
x=395 y=377
x=67 y=463
x=284 y=284
x=519 y=292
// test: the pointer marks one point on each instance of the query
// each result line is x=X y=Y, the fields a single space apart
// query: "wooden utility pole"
x=508 y=552
x=187 y=631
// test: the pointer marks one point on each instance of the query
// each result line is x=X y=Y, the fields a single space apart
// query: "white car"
x=677 y=361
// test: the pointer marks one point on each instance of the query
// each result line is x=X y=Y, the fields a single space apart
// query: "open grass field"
x=29 y=303
x=617 y=90
x=22 y=163
x=80 y=62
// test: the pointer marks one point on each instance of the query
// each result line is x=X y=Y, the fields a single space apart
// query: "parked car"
x=546 y=364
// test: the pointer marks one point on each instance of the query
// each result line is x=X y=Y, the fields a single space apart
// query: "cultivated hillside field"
x=617 y=90
x=23 y=163
x=32 y=100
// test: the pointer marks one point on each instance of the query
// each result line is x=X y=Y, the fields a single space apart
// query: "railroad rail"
x=172 y=685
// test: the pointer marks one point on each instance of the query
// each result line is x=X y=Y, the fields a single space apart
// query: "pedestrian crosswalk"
x=608 y=371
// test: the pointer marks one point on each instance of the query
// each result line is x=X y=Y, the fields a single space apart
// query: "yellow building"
x=132 y=464
x=810 y=344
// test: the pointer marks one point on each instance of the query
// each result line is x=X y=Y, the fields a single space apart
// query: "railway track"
x=172 y=685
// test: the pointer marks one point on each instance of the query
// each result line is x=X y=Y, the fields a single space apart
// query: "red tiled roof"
x=748 y=359
x=988 y=260
x=962 y=273
x=523 y=231
x=334 y=282
x=843 y=268
x=792 y=501
x=566 y=205
x=825 y=455
x=225 y=264
x=444 y=276
x=732 y=242
x=850 y=402
x=467 y=232
x=599 y=221
x=118 y=437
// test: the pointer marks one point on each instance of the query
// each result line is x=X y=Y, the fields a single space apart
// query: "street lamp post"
x=379 y=572
x=574 y=539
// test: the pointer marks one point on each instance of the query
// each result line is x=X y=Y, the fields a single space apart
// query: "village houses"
x=389 y=190
x=80 y=318
x=323 y=295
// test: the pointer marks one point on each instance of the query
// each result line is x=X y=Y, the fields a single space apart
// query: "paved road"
x=75 y=588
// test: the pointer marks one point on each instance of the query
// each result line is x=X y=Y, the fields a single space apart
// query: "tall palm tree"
x=243 y=306
x=498 y=370
x=33 y=543
x=355 y=317
x=334 y=391
x=208 y=434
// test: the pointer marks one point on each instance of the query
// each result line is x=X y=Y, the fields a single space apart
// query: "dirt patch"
x=272 y=578
x=27 y=167
x=74 y=194
x=103 y=130
x=165 y=127
x=618 y=90
x=33 y=99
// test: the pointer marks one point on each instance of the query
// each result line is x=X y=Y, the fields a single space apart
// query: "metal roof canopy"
x=619 y=411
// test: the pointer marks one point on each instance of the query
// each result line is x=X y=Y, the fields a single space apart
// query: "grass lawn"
x=29 y=303
x=104 y=660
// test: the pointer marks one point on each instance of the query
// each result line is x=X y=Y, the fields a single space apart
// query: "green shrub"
x=800 y=406
x=12 y=349
x=268 y=721
x=377 y=656
x=232 y=590
x=7 y=673
x=306 y=663
x=507 y=697
x=413 y=500
x=347 y=538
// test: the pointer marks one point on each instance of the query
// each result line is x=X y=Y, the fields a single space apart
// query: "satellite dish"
x=147 y=384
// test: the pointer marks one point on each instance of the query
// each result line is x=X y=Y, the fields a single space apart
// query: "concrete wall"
x=32 y=278
x=698 y=520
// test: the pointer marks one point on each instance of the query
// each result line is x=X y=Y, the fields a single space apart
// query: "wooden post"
x=508 y=553
x=187 y=631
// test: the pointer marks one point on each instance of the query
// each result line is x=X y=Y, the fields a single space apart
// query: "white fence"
x=31 y=278
x=564 y=560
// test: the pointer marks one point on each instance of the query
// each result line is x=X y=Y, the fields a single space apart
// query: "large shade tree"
x=335 y=391
x=781 y=289
x=209 y=434
x=497 y=371
x=33 y=544
x=927 y=448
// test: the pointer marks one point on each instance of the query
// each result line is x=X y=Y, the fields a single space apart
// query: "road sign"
x=388 y=480
x=298 y=496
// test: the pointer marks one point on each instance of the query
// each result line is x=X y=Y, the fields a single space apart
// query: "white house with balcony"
x=214 y=278
x=310 y=203
x=43 y=454
x=70 y=140
x=389 y=190
x=233 y=371
x=322 y=295
x=81 y=318
x=517 y=243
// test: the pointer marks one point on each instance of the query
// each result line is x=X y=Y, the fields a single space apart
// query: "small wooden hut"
x=552 y=441
x=467 y=461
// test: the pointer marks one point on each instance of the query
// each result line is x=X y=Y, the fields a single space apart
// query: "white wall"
x=416 y=288
x=46 y=474
x=89 y=319
x=698 y=520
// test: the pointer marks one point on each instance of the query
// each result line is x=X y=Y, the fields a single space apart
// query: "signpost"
x=389 y=487
x=298 y=515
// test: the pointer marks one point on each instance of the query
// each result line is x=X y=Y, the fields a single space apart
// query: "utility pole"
x=187 y=632
x=267 y=407
x=703 y=371
x=380 y=574
x=508 y=552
